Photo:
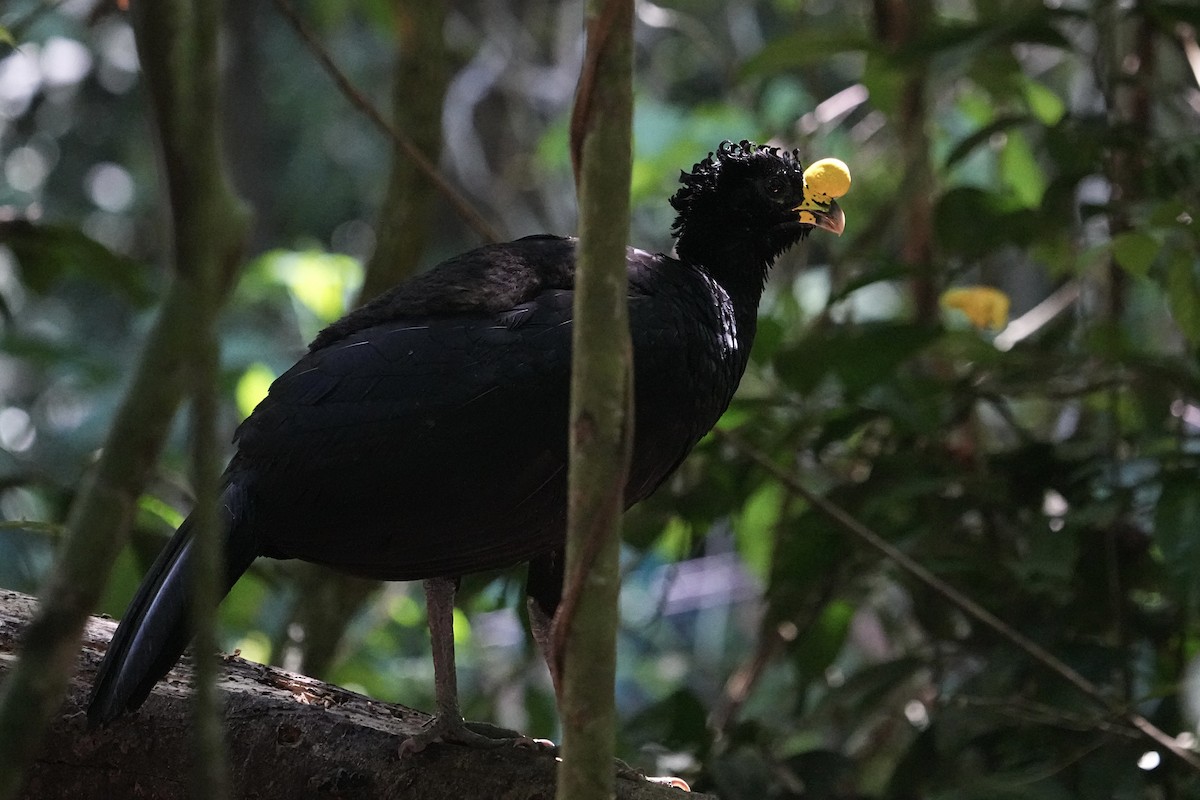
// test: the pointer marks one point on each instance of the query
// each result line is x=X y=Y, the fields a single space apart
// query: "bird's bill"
x=827 y=216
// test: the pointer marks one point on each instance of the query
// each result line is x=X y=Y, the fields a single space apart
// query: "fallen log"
x=288 y=736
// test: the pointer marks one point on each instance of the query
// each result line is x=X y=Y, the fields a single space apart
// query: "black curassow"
x=424 y=435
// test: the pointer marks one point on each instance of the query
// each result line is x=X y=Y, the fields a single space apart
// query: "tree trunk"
x=601 y=430
x=288 y=736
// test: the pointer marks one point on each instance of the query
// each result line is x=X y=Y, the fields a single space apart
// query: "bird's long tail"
x=157 y=626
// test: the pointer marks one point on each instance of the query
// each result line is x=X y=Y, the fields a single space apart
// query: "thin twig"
x=601 y=28
x=18 y=27
x=601 y=414
x=1028 y=711
x=772 y=640
x=33 y=526
x=968 y=606
x=604 y=29
x=468 y=212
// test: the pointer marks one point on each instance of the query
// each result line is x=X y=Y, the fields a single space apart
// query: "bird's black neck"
x=740 y=268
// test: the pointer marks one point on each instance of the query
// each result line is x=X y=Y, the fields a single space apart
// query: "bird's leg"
x=543 y=587
x=542 y=626
x=543 y=590
x=447 y=724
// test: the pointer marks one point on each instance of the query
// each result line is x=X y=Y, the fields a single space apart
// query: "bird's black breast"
x=689 y=355
x=436 y=444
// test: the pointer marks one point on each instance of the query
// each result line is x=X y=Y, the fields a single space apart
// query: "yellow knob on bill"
x=829 y=177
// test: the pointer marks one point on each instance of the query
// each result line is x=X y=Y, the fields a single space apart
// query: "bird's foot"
x=628 y=773
x=453 y=729
x=671 y=781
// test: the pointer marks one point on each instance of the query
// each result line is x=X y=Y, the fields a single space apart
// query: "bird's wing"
x=417 y=446
x=437 y=445
x=487 y=280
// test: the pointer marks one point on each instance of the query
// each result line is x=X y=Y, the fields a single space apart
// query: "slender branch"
x=184 y=104
x=1030 y=712
x=406 y=215
x=772 y=641
x=601 y=404
x=33 y=526
x=463 y=206
x=177 y=41
x=965 y=604
x=601 y=27
x=96 y=529
x=211 y=776
x=1129 y=64
x=899 y=24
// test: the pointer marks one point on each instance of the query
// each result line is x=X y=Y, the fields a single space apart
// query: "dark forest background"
x=1043 y=461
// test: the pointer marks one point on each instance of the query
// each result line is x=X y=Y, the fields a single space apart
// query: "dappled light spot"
x=64 y=62
x=17 y=432
x=110 y=187
x=252 y=387
x=322 y=283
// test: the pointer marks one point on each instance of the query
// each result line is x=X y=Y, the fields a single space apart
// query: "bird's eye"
x=776 y=186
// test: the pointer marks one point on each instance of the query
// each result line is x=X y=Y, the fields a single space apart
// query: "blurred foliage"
x=1049 y=470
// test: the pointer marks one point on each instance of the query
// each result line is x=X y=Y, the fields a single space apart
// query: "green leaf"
x=1049 y=558
x=885 y=77
x=462 y=627
x=1170 y=14
x=756 y=527
x=821 y=644
x=677 y=722
x=404 y=610
x=804 y=47
x=972 y=222
x=860 y=357
x=122 y=582
x=1171 y=213
x=784 y=99
x=156 y=507
x=1035 y=28
x=1183 y=296
x=868 y=688
x=983 y=135
x=1021 y=172
x=1045 y=104
x=1135 y=252
x=803 y=564
x=952 y=43
x=1176 y=521
x=48 y=254
x=883 y=273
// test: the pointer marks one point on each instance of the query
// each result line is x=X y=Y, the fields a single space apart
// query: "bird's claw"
x=532 y=743
x=455 y=730
x=626 y=772
x=670 y=780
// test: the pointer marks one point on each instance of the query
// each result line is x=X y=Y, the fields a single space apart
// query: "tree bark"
x=601 y=434
x=406 y=216
x=288 y=735
x=899 y=24
x=179 y=67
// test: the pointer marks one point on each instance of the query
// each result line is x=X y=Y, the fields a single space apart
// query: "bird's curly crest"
x=704 y=175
